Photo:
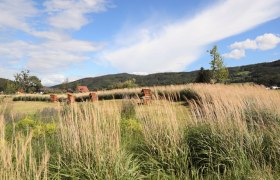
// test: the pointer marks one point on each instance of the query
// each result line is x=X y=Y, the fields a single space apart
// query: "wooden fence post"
x=54 y=98
x=146 y=96
x=70 y=98
x=93 y=97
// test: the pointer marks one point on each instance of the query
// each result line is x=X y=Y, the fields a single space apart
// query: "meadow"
x=206 y=132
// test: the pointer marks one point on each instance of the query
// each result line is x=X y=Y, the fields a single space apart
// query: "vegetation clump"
x=209 y=151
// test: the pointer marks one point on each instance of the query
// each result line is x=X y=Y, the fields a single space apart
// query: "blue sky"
x=59 y=39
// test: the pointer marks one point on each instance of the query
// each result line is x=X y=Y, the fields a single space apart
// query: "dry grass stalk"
x=17 y=160
x=230 y=104
x=91 y=131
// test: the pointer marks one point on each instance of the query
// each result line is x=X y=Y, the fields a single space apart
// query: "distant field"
x=32 y=107
x=116 y=91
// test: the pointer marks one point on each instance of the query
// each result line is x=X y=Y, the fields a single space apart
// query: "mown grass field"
x=217 y=132
x=32 y=107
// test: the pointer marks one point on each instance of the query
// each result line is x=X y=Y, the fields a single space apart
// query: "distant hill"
x=3 y=83
x=262 y=73
x=104 y=82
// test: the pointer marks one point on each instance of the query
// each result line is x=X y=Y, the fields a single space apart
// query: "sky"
x=72 y=39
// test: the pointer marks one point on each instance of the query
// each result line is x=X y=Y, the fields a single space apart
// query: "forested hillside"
x=263 y=73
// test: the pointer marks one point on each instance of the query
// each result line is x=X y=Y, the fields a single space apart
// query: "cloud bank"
x=15 y=14
x=174 y=46
x=72 y=14
x=263 y=42
x=50 y=47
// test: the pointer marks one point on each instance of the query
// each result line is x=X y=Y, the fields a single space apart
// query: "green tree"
x=3 y=84
x=131 y=83
x=34 y=84
x=204 y=76
x=10 y=88
x=21 y=80
x=27 y=83
x=65 y=84
x=219 y=70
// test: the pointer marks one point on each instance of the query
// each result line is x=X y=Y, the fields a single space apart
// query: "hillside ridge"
x=267 y=73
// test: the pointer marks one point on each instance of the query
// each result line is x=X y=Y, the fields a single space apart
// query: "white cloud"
x=52 y=49
x=15 y=14
x=264 y=42
x=247 y=44
x=235 y=54
x=52 y=79
x=71 y=14
x=50 y=35
x=174 y=46
x=7 y=72
x=267 y=41
x=48 y=56
x=140 y=73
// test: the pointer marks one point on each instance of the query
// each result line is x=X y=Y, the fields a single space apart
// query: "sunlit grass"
x=220 y=132
x=32 y=107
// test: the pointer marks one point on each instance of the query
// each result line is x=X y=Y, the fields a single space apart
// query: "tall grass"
x=244 y=119
x=224 y=132
x=17 y=158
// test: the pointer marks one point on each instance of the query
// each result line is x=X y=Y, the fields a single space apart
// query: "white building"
x=274 y=87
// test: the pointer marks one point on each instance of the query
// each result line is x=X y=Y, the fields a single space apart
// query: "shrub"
x=46 y=99
x=31 y=98
x=209 y=152
x=188 y=94
x=105 y=97
x=82 y=98
x=131 y=134
x=39 y=129
x=128 y=110
x=16 y=98
x=118 y=96
x=61 y=99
